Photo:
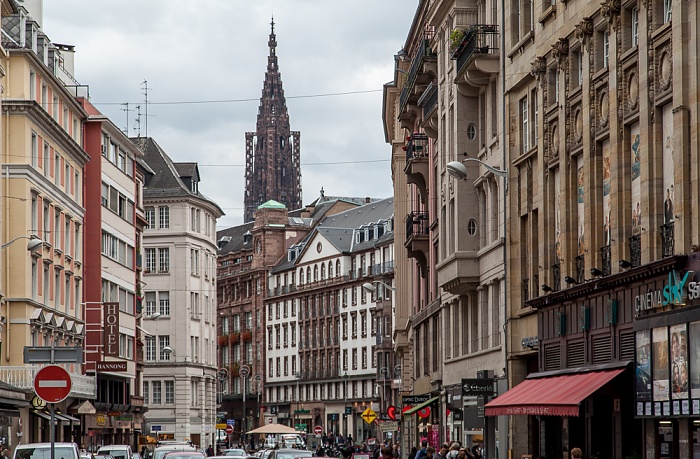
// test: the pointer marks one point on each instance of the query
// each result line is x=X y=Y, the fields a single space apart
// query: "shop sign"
x=111 y=329
x=100 y=419
x=110 y=366
x=675 y=291
x=476 y=387
x=415 y=399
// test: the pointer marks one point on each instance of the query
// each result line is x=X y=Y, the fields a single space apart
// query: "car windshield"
x=115 y=453
x=44 y=452
x=235 y=452
x=292 y=455
x=159 y=453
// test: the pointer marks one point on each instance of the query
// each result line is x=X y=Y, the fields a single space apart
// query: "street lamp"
x=457 y=169
x=369 y=287
x=33 y=244
x=384 y=371
x=244 y=372
x=297 y=376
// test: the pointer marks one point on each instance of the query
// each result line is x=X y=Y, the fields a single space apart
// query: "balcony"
x=477 y=55
x=429 y=103
x=422 y=71
x=22 y=377
x=416 y=169
x=417 y=238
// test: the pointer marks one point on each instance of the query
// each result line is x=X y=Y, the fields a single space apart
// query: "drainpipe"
x=7 y=219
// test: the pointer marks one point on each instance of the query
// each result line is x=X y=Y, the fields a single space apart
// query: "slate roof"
x=163 y=175
x=236 y=243
x=363 y=215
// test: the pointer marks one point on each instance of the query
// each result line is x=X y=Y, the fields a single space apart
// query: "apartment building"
x=179 y=290
x=43 y=212
x=114 y=223
x=443 y=119
x=322 y=324
x=601 y=127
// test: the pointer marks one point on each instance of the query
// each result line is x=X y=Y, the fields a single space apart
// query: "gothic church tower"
x=272 y=169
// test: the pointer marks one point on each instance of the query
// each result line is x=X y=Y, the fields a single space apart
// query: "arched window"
x=301 y=276
x=323 y=271
x=337 y=268
x=330 y=269
x=308 y=274
x=315 y=273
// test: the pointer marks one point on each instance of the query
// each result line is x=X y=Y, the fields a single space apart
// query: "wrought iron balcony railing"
x=417 y=146
x=580 y=269
x=417 y=224
x=478 y=39
x=606 y=259
x=667 y=240
x=423 y=52
x=636 y=250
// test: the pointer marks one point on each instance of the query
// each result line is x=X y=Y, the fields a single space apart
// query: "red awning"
x=550 y=396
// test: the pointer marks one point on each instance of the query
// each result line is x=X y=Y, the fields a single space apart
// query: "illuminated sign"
x=675 y=291
x=111 y=329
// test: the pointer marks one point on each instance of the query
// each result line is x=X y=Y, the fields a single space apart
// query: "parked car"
x=103 y=456
x=289 y=453
x=116 y=451
x=184 y=455
x=235 y=452
x=162 y=450
x=43 y=451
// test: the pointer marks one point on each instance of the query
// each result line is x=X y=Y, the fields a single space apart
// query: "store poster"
x=679 y=362
x=694 y=360
x=580 y=204
x=660 y=364
x=607 y=212
x=643 y=365
x=636 y=178
x=668 y=165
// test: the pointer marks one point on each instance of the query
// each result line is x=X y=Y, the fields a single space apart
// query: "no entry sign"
x=229 y=429
x=52 y=384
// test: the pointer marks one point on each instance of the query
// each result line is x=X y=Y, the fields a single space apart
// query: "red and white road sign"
x=318 y=430
x=229 y=429
x=52 y=384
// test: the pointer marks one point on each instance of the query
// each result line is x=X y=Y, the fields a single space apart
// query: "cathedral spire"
x=272 y=42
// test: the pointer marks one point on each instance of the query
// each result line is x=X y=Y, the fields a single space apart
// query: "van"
x=43 y=451
x=117 y=451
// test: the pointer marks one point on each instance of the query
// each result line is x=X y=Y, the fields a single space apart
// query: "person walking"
x=576 y=453
x=423 y=451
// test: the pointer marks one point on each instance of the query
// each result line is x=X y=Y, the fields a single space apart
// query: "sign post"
x=52 y=384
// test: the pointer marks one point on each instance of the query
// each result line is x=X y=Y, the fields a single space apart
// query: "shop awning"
x=420 y=406
x=550 y=396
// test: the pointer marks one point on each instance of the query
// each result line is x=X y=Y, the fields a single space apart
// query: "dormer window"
x=195 y=186
x=367 y=234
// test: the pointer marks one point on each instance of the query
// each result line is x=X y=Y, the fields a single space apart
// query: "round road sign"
x=52 y=384
x=229 y=429
x=318 y=430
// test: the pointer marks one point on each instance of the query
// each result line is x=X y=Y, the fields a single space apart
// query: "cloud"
x=216 y=50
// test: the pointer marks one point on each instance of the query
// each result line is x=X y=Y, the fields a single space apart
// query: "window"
x=634 y=22
x=524 y=128
x=164 y=341
x=150 y=303
x=606 y=49
x=523 y=19
x=164 y=303
x=146 y=392
x=157 y=400
x=364 y=357
x=163 y=217
x=667 y=11
x=150 y=260
x=150 y=217
x=578 y=68
x=354 y=359
x=126 y=347
x=163 y=260
x=169 y=392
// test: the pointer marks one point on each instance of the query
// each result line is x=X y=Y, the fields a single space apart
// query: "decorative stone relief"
x=578 y=125
x=609 y=9
x=584 y=29
x=632 y=91
x=604 y=110
x=554 y=140
x=560 y=50
x=665 y=68
x=538 y=67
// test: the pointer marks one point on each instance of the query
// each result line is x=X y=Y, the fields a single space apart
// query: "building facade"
x=43 y=213
x=602 y=145
x=322 y=325
x=443 y=112
x=179 y=291
x=273 y=168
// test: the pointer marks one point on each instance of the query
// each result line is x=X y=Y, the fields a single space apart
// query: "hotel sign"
x=110 y=366
x=111 y=329
x=676 y=291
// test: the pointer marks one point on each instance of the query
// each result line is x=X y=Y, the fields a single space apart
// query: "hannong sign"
x=111 y=329
x=678 y=288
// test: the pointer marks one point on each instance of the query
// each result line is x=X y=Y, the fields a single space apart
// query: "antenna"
x=138 y=121
x=145 y=93
x=126 y=109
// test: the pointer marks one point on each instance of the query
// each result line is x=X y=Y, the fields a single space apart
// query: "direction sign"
x=391 y=426
x=48 y=354
x=229 y=429
x=318 y=430
x=369 y=415
x=156 y=428
x=52 y=384
x=231 y=422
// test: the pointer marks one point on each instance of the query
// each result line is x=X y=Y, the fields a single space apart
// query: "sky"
x=204 y=62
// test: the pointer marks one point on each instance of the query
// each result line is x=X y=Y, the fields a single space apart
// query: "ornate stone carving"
x=584 y=29
x=554 y=140
x=578 y=125
x=632 y=91
x=665 y=69
x=604 y=109
x=560 y=50
x=610 y=8
x=538 y=66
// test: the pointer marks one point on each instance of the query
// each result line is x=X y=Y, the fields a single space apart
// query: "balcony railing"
x=429 y=99
x=417 y=224
x=22 y=377
x=556 y=277
x=636 y=249
x=423 y=52
x=478 y=39
x=417 y=146
x=667 y=240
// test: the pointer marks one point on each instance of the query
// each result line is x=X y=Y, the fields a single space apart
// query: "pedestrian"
x=430 y=452
x=476 y=451
x=210 y=451
x=442 y=454
x=6 y=453
x=576 y=453
x=412 y=454
x=454 y=451
x=387 y=453
x=423 y=451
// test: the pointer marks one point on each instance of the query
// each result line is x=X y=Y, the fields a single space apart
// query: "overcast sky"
x=215 y=51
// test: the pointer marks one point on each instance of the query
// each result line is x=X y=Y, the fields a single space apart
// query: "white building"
x=321 y=324
x=180 y=299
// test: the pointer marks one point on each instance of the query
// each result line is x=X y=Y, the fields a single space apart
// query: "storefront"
x=667 y=359
x=12 y=403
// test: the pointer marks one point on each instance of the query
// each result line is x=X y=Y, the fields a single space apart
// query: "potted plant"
x=246 y=335
x=456 y=39
x=222 y=340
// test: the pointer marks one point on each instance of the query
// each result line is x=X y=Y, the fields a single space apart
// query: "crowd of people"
x=446 y=451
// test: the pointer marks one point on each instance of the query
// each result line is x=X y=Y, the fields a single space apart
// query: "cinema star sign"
x=679 y=288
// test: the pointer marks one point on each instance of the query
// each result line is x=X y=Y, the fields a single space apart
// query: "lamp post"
x=297 y=376
x=258 y=380
x=384 y=371
x=244 y=372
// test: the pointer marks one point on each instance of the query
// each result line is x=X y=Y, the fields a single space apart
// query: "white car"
x=117 y=451
x=43 y=451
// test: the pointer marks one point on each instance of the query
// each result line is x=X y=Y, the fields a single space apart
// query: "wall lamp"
x=546 y=288
x=33 y=245
x=570 y=280
x=624 y=264
x=458 y=170
x=369 y=287
x=595 y=272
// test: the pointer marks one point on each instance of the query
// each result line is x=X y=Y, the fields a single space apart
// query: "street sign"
x=229 y=429
x=348 y=410
x=156 y=428
x=52 y=384
x=302 y=411
x=389 y=426
x=300 y=427
x=369 y=415
x=318 y=430
x=230 y=422
x=63 y=354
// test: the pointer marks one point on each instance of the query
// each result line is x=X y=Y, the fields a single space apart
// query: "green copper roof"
x=272 y=204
